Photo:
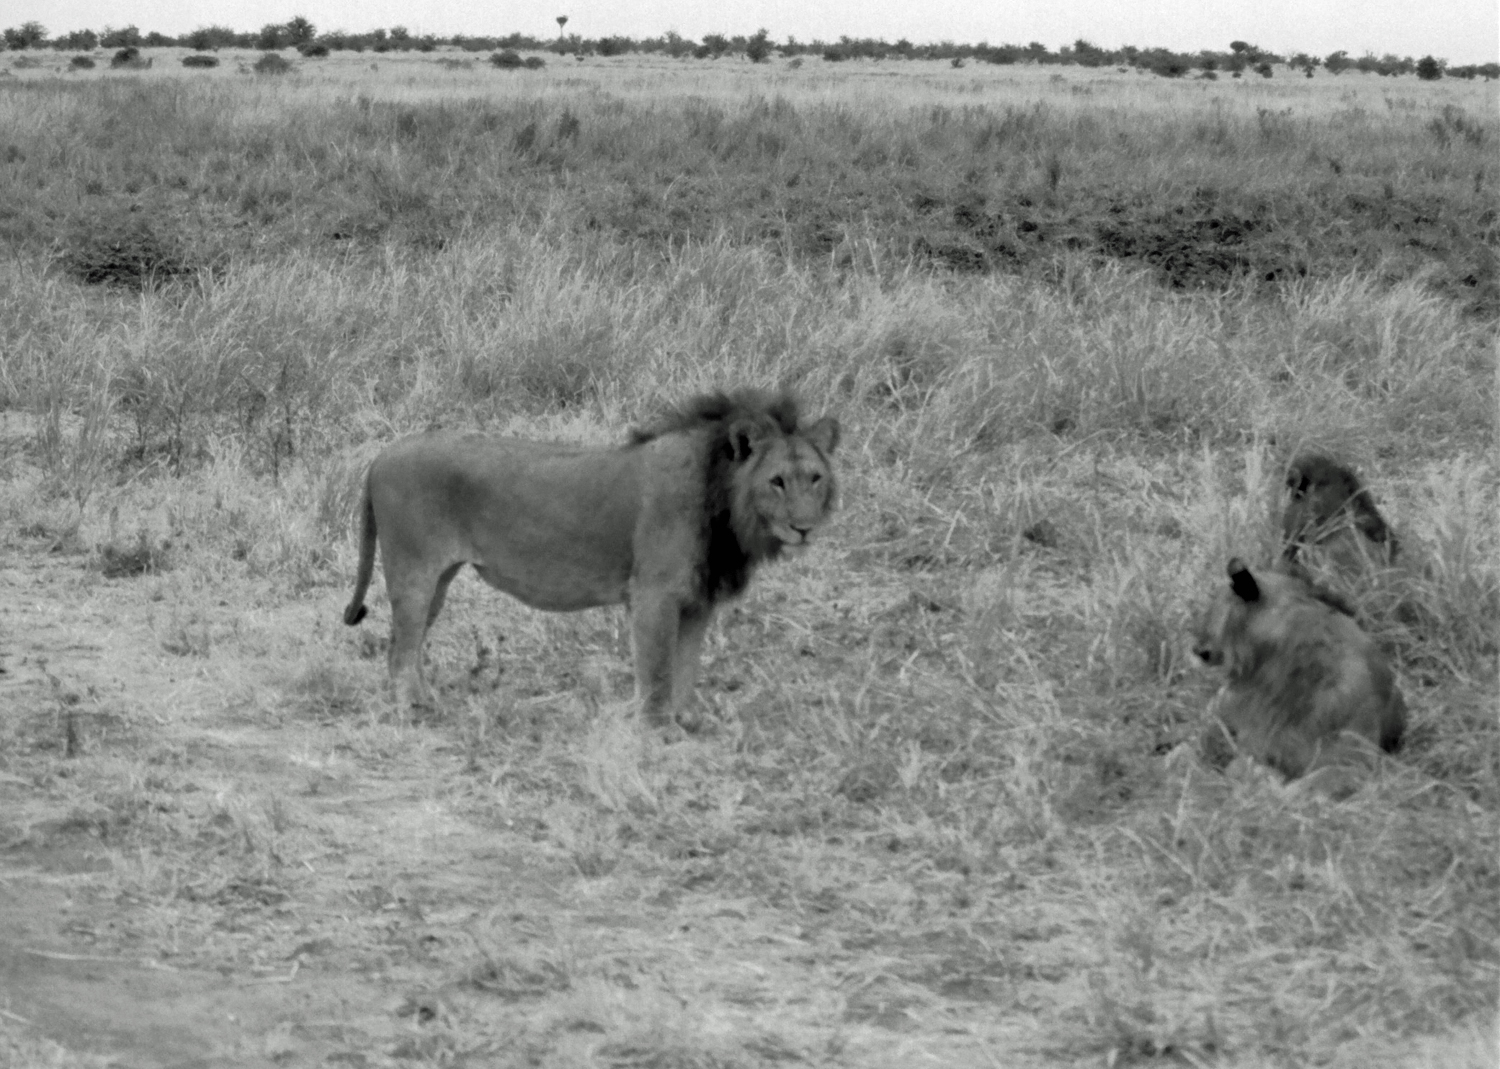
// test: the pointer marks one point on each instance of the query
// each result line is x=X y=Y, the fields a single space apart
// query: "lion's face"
x=1248 y=616
x=784 y=486
x=1326 y=503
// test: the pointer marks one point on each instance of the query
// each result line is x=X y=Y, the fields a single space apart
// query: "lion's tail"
x=356 y=610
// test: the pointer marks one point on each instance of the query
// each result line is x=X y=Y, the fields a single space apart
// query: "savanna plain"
x=947 y=807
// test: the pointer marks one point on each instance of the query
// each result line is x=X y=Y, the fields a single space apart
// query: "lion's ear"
x=1242 y=582
x=745 y=435
x=824 y=434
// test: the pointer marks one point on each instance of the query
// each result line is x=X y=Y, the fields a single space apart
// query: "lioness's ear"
x=1242 y=582
x=824 y=434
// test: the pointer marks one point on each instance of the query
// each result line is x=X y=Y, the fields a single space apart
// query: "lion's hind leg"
x=416 y=600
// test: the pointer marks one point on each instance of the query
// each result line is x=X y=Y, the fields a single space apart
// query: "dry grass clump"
x=124 y=248
x=145 y=556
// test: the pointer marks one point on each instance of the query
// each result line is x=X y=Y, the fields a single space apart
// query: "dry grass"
x=945 y=808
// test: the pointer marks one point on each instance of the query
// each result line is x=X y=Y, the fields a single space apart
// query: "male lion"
x=670 y=524
x=1303 y=677
x=1330 y=513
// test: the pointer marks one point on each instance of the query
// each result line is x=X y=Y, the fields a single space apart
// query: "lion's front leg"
x=655 y=622
x=692 y=625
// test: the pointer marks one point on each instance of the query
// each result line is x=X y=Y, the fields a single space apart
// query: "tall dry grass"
x=974 y=704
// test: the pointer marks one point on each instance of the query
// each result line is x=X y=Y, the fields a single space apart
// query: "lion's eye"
x=815 y=478
x=777 y=482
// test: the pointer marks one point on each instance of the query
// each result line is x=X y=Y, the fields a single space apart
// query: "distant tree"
x=1301 y=61
x=129 y=37
x=1337 y=62
x=299 y=31
x=1037 y=52
x=615 y=46
x=157 y=39
x=758 y=48
x=562 y=20
x=675 y=45
x=77 y=41
x=1263 y=69
x=1429 y=69
x=26 y=35
x=716 y=43
x=1087 y=54
x=272 y=37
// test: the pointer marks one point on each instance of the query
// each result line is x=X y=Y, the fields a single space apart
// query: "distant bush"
x=198 y=59
x=129 y=57
x=81 y=63
x=615 y=46
x=1263 y=69
x=313 y=51
x=834 y=54
x=271 y=63
x=536 y=63
x=1429 y=69
x=507 y=60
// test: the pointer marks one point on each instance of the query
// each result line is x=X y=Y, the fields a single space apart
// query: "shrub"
x=313 y=51
x=1263 y=69
x=129 y=57
x=81 y=63
x=271 y=63
x=198 y=59
x=507 y=60
x=536 y=63
x=1429 y=69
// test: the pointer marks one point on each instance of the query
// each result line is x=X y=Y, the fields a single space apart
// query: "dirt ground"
x=195 y=877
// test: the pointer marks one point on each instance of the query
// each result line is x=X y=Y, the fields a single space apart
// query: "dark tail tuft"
x=354 y=614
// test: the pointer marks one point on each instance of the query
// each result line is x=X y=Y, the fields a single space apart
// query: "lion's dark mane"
x=731 y=549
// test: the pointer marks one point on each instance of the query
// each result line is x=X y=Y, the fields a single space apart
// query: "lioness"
x=1301 y=674
x=1329 y=512
x=671 y=524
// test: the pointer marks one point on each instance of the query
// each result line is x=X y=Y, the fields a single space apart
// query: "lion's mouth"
x=791 y=538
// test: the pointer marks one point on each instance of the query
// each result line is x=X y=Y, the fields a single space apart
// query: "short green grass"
x=947 y=807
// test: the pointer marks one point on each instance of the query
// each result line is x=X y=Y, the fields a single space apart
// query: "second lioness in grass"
x=671 y=524
x=1302 y=676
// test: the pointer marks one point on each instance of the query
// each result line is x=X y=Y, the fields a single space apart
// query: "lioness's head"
x=1325 y=501
x=1255 y=616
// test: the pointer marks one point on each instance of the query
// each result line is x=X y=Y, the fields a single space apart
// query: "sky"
x=1460 y=31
